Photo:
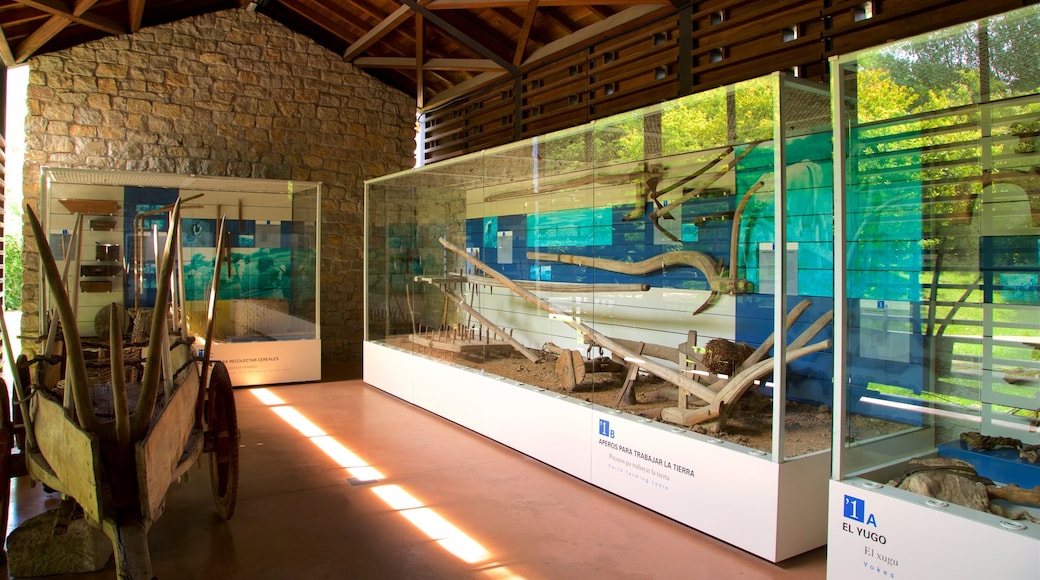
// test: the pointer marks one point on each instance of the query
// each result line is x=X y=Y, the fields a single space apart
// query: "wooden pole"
x=142 y=416
x=75 y=364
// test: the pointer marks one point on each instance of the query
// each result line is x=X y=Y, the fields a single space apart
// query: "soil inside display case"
x=750 y=424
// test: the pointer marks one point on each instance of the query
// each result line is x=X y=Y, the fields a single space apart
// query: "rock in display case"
x=611 y=300
x=107 y=225
x=938 y=314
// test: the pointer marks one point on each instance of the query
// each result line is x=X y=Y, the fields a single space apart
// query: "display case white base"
x=773 y=510
x=878 y=531
x=270 y=362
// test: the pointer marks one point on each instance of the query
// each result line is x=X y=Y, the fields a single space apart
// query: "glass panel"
x=268 y=287
x=809 y=238
x=629 y=262
x=943 y=225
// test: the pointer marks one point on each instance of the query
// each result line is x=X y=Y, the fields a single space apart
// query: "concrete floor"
x=301 y=516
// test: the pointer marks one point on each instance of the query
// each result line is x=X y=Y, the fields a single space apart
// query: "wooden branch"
x=767 y=344
x=142 y=416
x=694 y=259
x=75 y=364
x=119 y=398
x=658 y=369
x=668 y=209
x=734 y=234
x=561 y=286
x=700 y=261
x=1015 y=494
x=490 y=325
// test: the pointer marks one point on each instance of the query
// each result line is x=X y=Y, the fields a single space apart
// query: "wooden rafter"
x=135 y=13
x=377 y=33
x=420 y=53
x=461 y=36
x=525 y=32
x=50 y=29
x=77 y=15
x=5 y=50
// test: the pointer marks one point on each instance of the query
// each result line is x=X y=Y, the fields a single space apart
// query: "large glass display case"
x=615 y=296
x=938 y=316
x=107 y=226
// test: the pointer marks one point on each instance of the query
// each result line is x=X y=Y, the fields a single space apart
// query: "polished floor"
x=495 y=513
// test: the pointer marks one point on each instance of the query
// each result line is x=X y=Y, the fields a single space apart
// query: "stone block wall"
x=226 y=94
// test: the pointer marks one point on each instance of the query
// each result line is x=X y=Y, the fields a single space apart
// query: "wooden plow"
x=709 y=401
x=116 y=457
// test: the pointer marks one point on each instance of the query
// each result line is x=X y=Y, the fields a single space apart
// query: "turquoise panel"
x=576 y=227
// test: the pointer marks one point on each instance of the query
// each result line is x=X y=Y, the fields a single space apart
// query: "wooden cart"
x=118 y=469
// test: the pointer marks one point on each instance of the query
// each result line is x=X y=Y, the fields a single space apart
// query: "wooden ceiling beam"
x=135 y=14
x=420 y=54
x=441 y=64
x=476 y=4
x=61 y=9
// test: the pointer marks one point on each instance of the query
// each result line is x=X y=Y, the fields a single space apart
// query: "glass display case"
x=106 y=227
x=615 y=295
x=938 y=225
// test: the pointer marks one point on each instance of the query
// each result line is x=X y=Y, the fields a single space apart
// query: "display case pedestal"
x=270 y=362
x=878 y=531
x=735 y=494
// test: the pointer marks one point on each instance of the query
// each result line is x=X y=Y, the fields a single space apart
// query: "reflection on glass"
x=942 y=222
x=632 y=263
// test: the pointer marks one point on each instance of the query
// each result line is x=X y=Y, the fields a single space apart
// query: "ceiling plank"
x=58 y=8
x=602 y=27
x=49 y=30
x=462 y=89
x=525 y=32
x=583 y=35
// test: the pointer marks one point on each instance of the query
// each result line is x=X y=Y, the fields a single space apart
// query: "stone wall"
x=225 y=94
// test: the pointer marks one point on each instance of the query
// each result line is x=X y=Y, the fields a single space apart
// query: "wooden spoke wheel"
x=222 y=433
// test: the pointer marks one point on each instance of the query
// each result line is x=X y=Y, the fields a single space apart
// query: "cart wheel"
x=6 y=449
x=223 y=428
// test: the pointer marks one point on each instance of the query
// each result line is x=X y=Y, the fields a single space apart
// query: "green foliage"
x=12 y=272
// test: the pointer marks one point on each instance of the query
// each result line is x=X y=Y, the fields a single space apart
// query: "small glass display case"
x=106 y=226
x=938 y=224
x=650 y=290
